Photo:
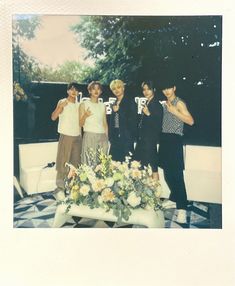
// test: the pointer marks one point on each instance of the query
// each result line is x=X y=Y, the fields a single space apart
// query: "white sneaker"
x=181 y=216
x=168 y=204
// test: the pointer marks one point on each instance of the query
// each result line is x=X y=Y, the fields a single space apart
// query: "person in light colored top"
x=69 y=145
x=92 y=114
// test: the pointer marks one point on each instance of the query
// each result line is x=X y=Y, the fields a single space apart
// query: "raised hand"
x=63 y=103
x=146 y=110
x=116 y=107
x=87 y=112
x=171 y=108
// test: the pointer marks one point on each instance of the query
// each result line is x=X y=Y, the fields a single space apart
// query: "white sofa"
x=203 y=174
x=202 y=171
x=35 y=176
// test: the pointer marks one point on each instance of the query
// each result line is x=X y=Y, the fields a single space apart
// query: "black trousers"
x=172 y=162
x=120 y=146
x=175 y=182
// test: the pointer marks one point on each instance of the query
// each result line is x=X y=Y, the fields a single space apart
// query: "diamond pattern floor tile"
x=37 y=211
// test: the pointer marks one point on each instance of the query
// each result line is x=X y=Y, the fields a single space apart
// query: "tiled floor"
x=37 y=211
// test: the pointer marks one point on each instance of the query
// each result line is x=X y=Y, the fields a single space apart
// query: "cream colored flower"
x=109 y=182
x=91 y=178
x=127 y=173
x=135 y=164
x=84 y=190
x=133 y=200
x=98 y=185
x=98 y=168
x=107 y=195
x=136 y=174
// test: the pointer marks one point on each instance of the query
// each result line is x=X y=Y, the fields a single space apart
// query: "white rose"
x=133 y=200
x=109 y=182
x=84 y=190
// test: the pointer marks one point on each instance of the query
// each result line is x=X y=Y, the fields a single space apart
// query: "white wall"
x=202 y=174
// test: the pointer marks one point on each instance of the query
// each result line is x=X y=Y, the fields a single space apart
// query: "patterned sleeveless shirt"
x=171 y=123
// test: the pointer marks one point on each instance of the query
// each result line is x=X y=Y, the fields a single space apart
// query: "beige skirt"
x=93 y=141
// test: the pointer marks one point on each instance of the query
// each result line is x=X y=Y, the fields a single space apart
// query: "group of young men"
x=121 y=135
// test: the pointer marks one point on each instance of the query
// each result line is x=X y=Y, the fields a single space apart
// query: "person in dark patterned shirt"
x=123 y=122
x=175 y=115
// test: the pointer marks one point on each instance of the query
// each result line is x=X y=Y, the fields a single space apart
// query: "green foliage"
x=67 y=72
x=136 y=47
x=25 y=68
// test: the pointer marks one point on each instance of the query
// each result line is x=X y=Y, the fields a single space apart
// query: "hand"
x=116 y=108
x=87 y=112
x=146 y=110
x=171 y=108
x=64 y=103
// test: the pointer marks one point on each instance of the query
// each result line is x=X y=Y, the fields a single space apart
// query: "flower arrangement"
x=112 y=185
x=18 y=92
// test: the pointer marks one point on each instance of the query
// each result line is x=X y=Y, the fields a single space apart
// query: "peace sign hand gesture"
x=87 y=112
x=146 y=110
x=171 y=108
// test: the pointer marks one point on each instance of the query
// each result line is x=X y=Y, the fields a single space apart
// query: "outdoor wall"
x=32 y=122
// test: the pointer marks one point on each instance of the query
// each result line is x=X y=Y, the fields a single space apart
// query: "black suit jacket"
x=149 y=127
x=127 y=120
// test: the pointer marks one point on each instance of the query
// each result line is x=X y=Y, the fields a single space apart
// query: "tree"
x=137 y=47
x=24 y=67
x=66 y=72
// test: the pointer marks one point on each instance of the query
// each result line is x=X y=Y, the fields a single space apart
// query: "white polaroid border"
x=116 y=256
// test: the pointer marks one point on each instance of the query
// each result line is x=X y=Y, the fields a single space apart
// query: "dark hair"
x=73 y=84
x=167 y=83
x=150 y=85
x=92 y=84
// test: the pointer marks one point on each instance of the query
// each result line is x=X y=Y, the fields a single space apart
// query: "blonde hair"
x=116 y=82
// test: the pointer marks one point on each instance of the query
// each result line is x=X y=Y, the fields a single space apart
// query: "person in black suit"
x=149 y=129
x=123 y=123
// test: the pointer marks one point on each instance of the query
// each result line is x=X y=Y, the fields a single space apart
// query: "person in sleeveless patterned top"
x=175 y=115
x=92 y=117
x=69 y=145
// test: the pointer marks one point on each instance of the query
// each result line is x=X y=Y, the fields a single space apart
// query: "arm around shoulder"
x=82 y=115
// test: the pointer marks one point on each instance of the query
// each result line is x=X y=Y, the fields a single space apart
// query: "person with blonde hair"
x=92 y=117
x=123 y=122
